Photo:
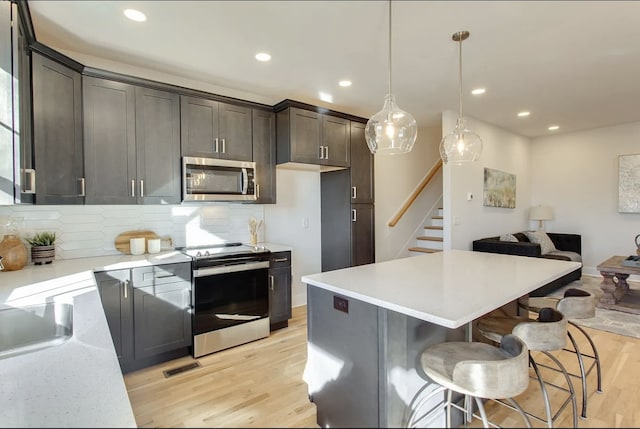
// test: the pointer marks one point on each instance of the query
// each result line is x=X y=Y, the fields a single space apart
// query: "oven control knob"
x=198 y=254
x=207 y=253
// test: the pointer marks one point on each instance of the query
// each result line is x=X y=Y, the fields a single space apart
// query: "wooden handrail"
x=414 y=195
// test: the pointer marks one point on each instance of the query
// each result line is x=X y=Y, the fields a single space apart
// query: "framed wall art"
x=629 y=183
x=499 y=189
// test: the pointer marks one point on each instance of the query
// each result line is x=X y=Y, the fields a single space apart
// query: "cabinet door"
x=157 y=146
x=279 y=295
x=162 y=318
x=115 y=293
x=305 y=136
x=57 y=121
x=361 y=166
x=335 y=139
x=109 y=133
x=199 y=127
x=335 y=206
x=264 y=155
x=362 y=234
x=234 y=139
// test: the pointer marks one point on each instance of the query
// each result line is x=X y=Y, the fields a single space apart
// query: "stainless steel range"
x=230 y=295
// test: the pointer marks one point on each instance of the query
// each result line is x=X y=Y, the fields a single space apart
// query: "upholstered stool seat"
x=545 y=334
x=574 y=305
x=476 y=369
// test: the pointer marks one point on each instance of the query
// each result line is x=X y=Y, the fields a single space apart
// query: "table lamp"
x=540 y=213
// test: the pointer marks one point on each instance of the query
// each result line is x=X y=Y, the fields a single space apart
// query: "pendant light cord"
x=389 y=47
x=460 y=73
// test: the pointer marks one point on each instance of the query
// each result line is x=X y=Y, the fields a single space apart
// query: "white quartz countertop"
x=449 y=288
x=78 y=383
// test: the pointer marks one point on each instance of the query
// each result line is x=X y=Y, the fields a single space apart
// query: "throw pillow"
x=508 y=237
x=541 y=238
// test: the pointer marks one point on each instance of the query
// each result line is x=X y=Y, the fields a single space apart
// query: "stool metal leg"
x=596 y=357
x=545 y=394
x=572 y=391
x=418 y=402
x=583 y=375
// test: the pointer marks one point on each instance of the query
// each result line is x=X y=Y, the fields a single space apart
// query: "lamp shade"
x=541 y=213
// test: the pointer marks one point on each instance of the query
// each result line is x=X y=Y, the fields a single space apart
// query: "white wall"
x=298 y=204
x=577 y=175
x=396 y=176
x=466 y=220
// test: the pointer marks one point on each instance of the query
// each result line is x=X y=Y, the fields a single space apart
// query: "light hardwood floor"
x=260 y=385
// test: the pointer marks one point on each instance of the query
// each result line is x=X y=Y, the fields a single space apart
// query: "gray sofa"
x=569 y=247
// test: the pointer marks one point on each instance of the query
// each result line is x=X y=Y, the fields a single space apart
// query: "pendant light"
x=461 y=145
x=391 y=130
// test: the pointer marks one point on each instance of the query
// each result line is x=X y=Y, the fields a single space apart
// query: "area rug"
x=613 y=321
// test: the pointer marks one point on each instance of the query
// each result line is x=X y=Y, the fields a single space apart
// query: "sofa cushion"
x=541 y=238
x=521 y=237
x=508 y=237
x=564 y=255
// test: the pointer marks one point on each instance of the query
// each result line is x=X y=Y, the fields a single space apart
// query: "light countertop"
x=449 y=288
x=78 y=383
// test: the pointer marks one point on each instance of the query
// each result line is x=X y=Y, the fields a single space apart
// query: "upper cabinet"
x=57 y=132
x=132 y=143
x=361 y=166
x=215 y=129
x=264 y=155
x=310 y=137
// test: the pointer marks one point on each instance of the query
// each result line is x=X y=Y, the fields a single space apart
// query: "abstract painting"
x=499 y=189
x=629 y=184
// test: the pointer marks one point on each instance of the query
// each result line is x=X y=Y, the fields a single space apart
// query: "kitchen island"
x=367 y=325
x=77 y=383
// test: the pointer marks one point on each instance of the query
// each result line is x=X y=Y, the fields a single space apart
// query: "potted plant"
x=43 y=249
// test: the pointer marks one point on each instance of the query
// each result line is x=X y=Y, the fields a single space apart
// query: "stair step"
x=433 y=227
x=423 y=250
x=437 y=217
x=423 y=237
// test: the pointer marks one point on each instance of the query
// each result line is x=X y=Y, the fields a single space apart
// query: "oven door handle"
x=209 y=271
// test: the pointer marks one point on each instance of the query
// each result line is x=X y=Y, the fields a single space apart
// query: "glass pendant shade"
x=391 y=130
x=460 y=145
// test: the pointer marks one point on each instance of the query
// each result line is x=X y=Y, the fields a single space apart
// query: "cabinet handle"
x=257 y=190
x=164 y=276
x=133 y=188
x=280 y=259
x=271 y=282
x=354 y=192
x=321 y=152
x=141 y=187
x=326 y=153
x=224 y=146
x=216 y=145
x=32 y=180
x=126 y=286
x=353 y=215
x=82 y=187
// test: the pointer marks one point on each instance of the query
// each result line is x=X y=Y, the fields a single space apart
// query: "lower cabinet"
x=148 y=310
x=279 y=289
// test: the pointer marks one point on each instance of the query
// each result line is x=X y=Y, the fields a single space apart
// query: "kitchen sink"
x=34 y=327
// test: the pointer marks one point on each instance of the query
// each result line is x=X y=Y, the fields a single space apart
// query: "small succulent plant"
x=46 y=238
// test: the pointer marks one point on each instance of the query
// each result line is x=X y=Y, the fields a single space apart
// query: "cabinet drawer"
x=280 y=259
x=161 y=274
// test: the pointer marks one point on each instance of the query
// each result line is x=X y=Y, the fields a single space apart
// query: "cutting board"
x=122 y=240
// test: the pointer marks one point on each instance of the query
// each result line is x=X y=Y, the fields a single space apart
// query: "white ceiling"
x=571 y=63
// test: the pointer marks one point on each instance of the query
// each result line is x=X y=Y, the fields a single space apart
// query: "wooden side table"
x=616 y=292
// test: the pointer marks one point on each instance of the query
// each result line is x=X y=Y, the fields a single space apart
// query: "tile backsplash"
x=90 y=230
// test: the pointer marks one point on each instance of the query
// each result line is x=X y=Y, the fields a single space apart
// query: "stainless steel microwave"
x=212 y=179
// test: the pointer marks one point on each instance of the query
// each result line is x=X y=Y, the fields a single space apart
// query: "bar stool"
x=575 y=304
x=545 y=334
x=476 y=369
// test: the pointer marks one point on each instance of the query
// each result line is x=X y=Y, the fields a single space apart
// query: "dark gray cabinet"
x=264 y=155
x=335 y=214
x=148 y=310
x=362 y=234
x=132 y=143
x=309 y=137
x=279 y=289
x=57 y=132
x=214 y=129
x=361 y=166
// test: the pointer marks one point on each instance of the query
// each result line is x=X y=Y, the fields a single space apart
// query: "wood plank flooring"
x=260 y=385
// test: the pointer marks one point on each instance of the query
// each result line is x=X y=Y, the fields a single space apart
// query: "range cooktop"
x=221 y=250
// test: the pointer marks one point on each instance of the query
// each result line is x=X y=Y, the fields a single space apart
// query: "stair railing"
x=414 y=195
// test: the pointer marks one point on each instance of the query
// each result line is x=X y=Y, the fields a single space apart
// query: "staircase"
x=431 y=239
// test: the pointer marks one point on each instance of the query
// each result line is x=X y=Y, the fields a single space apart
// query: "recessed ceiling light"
x=478 y=91
x=523 y=114
x=325 y=97
x=344 y=83
x=553 y=127
x=135 y=15
x=263 y=56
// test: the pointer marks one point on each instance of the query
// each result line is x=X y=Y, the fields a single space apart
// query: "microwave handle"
x=245 y=181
